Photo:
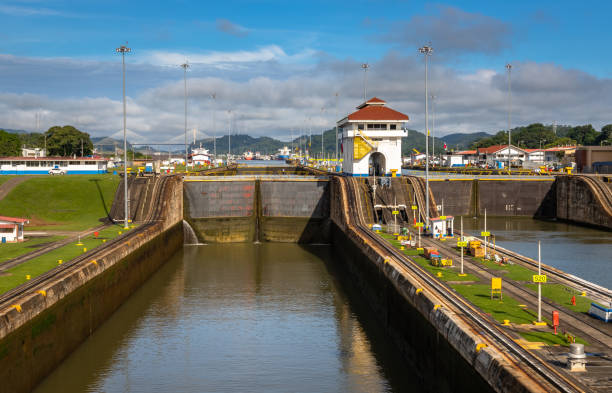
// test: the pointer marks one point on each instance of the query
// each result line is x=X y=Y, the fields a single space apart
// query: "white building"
x=200 y=156
x=33 y=152
x=497 y=155
x=42 y=165
x=372 y=140
x=11 y=229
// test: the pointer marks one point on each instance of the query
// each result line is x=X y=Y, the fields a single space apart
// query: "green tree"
x=67 y=140
x=33 y=139
x=605 y=136
x=584 y=135
x=9 y=144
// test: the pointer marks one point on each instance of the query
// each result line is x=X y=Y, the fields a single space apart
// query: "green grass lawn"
x=514 y=272
x=39 y=265
x=562 y=295
x=4 y=178
x=74 y=202
x=13 y=250
x=508 y=308
x=549 y=338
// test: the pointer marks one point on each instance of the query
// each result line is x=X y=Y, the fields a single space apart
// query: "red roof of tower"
x=375 y=109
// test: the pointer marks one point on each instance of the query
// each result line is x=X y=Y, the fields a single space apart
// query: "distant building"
x=372 y=140
x=462 y=158
x=493 y=155
x=33 y=152
x=11 y=229
x=591 y=159
x=200 y=156
x=42 y=165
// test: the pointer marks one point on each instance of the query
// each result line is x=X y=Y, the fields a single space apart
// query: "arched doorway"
x=377 y=164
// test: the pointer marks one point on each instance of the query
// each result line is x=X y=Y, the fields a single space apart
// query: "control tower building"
x=372 y=140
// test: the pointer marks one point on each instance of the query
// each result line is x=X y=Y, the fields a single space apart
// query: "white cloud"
x=263 y=54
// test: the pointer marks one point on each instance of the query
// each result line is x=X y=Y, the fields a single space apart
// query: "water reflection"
x=237 y=317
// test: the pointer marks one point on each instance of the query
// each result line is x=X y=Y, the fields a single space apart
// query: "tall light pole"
x=433 y=126
x=336 y=162
x=509 y=68
x=365 y=67
x=123 y=50
x=214 y=98
x=229 y=135
x=322 y=134
x=426 y=50
x=185 y=65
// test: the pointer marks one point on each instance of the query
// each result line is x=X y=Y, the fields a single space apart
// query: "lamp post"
x=426 y=50
x=214 y=98
x=336 y=162
x=509 y=69
x=123 y=50
x=365 y=67
x=185 y=65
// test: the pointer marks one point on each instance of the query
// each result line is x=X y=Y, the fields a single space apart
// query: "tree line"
x=60 y=142
x=538 y=135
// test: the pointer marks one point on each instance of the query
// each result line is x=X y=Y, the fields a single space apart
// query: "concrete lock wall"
x=577 y=203
x=221 y=211
x=502 y=197
x=295 y=211
x=258 y=210
x=54 y=321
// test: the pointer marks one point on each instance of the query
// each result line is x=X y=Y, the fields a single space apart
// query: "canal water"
x=578 y=250
x=237 y=318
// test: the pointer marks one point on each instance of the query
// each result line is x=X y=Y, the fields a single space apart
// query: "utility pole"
x=123 y=50
x=539 y=284
x=433 y=126
x=336 y=162
x=185 y=65
x=322 y=134
x=229 y=135
x=365 y=67
x=426 y=50
x=214 y=98
x=509 y=68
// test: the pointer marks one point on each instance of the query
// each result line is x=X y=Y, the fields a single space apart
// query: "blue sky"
x=277 y=64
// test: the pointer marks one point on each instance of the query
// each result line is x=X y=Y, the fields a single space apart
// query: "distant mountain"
x=15 y=131
x=461 y=141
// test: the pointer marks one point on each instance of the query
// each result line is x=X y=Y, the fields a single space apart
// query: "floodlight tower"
x=509 y=69
x=185 y=65
x=365 y=67
x=426 y=50
x=214 y=98
x=123 y=50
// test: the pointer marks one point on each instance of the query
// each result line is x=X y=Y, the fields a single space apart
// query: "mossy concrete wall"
x=61 y=313
x=500 y=197
x=576 y=202
x=229 y=210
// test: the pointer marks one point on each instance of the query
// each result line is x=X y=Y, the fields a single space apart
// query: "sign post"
x=539 y=279
x=462 y=244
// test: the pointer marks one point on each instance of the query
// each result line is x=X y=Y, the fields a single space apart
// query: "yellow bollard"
x=84 y=249
x=59 y=261
x=28 y=276
x=401 y=247
x=439 y=274
x=480 y=346
x=103 y=240
x=120 y=232
x=506 y=322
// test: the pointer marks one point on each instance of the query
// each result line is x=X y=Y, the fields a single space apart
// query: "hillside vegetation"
x=74 y=202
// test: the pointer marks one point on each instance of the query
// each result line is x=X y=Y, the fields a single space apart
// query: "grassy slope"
x=74 y=202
